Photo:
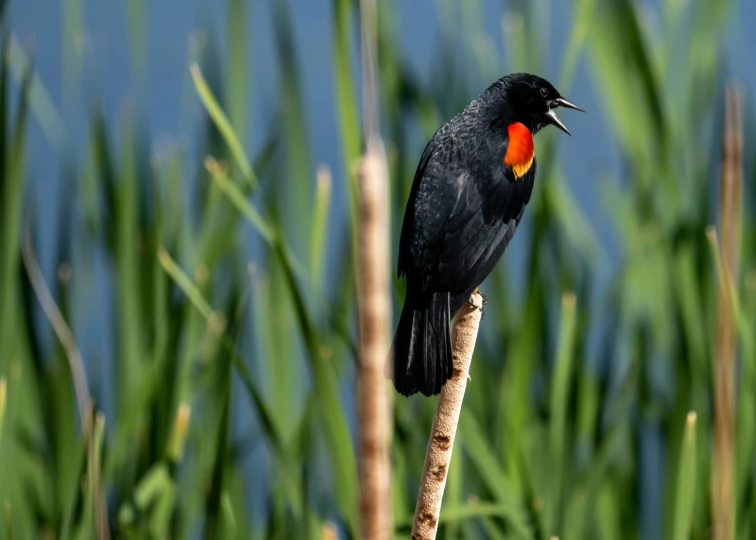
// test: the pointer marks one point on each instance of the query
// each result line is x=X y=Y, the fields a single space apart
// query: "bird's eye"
x=544 y=92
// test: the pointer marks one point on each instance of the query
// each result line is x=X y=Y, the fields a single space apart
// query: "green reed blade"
x=686 y=482
x=223 y=124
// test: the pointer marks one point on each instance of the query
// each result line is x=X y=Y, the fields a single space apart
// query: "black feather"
x=421 y=354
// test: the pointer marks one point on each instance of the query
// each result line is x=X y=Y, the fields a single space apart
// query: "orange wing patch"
x=520 y=151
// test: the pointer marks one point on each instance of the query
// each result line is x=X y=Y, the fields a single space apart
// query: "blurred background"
x=178 y=246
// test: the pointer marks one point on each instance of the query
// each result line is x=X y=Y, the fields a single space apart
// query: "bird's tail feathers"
x=421 y=354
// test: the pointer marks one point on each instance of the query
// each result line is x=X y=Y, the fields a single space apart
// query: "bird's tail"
x=421 y=354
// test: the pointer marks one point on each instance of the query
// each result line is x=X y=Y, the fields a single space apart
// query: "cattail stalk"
x=374 y=305
x=723 y=477
x=373 y=301
x=439 y=451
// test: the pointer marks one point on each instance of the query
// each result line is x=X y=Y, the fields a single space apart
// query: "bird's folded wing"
x=477 y=232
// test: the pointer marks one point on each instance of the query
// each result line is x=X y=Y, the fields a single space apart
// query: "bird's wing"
x=462 y=211
x=417 y=224
x=480 y=228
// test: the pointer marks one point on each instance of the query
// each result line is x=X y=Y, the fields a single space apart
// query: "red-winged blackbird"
x=470 y=190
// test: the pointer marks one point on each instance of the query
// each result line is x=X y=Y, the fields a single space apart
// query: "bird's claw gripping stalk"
x=484 y=301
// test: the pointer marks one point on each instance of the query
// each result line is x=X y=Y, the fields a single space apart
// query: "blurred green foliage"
x=563 y=401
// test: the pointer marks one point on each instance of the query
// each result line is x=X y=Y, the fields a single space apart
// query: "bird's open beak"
x=561 y=102
x=554 y=119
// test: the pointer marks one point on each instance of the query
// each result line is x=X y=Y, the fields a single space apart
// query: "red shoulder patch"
x=520 y=151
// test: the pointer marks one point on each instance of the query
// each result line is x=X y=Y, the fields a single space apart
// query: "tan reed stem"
x=374 y=300
x=723 y=479
x=439 y=451
x=375 y=309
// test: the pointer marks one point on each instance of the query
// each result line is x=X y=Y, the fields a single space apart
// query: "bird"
x=468 y=195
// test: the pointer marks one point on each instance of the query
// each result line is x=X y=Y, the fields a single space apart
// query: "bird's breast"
x=520 y=150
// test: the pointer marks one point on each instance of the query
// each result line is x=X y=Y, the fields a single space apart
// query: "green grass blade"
x=88 y=526
x=215 y=320
x=131 y=339
x=266 y=230
x=686 y=482
x=224 y=126
x=326 y=387
x=619 y=80
x=294 y=198
x=748 y=342
x=576 y=42
x=239 y=200
x=347 y=109
x=217 y=323
x=11 y=202
x=3 y=402
x=154 y=493
x=559 y=402
x=40 y=102
x=213 y=504
x=138 y=48
x=481 y=455
x=319 y=225
x=73 y=30
x=237 y=91
x=178 y=435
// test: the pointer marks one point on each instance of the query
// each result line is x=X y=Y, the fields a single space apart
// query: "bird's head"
x=532 y=100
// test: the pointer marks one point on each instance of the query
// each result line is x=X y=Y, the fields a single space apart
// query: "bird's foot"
x=484 y=301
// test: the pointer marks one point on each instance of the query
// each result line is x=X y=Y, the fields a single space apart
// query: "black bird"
x=470 y=190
